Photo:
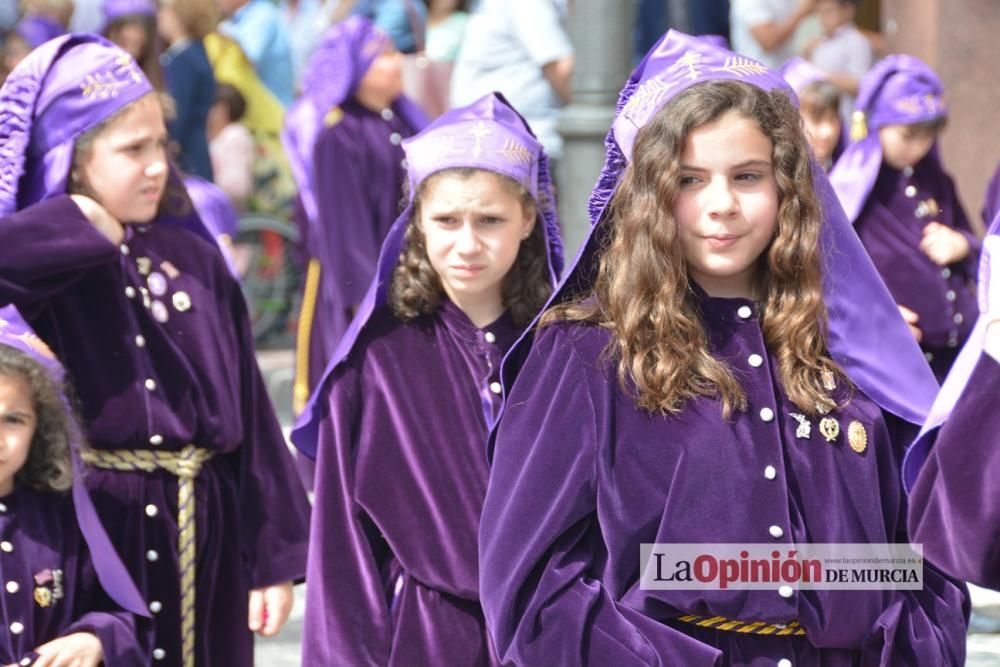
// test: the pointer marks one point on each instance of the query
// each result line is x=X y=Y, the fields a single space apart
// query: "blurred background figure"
x=131 y=24
x=446 y=23
x=765 y=30
x=231 y=145
x=183 y=24
x=520 y=48
x=258 y=27
x=30 y=32
x=819 y=106
x=842 y=50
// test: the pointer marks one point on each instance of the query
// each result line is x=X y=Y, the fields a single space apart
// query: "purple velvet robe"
x=50 y=587
x=401 y=476
x=359 y=176
x=955 y=503
x=582 y=476
x=145 y=381
x=943 y=297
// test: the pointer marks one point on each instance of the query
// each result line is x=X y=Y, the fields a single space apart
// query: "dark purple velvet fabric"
x=891 y=230
x=581 y=477
x=360 y=175
x=991 y=201
x=955 y=502
x=47 y=545
x=401 y=477
x=192 y=379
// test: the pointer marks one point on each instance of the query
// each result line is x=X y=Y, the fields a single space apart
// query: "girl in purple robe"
x=101 y=251
x=954 y=466
x=398 y=424
x=904 y=206
x=819 y=106
x=57 y=606
x=342 y=137
x=721 y=366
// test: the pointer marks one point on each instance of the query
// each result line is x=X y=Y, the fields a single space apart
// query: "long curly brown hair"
x=643 y=291
x=416 y=288
x=48 y=466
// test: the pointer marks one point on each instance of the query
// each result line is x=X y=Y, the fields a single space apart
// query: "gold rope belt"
x=185 y=464
x=756 y=628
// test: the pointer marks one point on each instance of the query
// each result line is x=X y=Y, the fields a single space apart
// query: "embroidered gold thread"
x=515 y=152
x=691 y=60
x=741 y=66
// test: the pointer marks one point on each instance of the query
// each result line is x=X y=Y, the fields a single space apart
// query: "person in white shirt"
x=520 y=48
x=765 y=29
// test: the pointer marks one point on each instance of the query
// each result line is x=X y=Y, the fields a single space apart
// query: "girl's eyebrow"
x=742 y=165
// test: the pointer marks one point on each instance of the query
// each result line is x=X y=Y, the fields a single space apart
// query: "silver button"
x=6 y=547
x=140 y=341
x=959 y=318
x=495 y=387
x=3 y=508
x=156 y=439
x=770 y=472
x=12 y=586
x=387 y=114
x=490 y=337
x=123 y=248
x=950 y=295
x=395 y=138
x=785 y=591
x=151 y=511
x=155 y=606
x=159 y=654
x=150 y=384
x=776 y=532
x=946 y=272
x=929 y=356
x=910 y=191
x=152 y=556
x=755 y=360
x=907 y=171
x=767 y=414
x=745 y=312
x=130 y=292
x=16 y=628
x=784 y=662
x=952 y=342
x=27 y=660
x=404 y=164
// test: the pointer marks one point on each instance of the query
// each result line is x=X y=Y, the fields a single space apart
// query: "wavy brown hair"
x=416 y=288
x=643 y=291
x=48 y=466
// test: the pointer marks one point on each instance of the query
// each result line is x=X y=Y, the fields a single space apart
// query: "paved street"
x=283 y=651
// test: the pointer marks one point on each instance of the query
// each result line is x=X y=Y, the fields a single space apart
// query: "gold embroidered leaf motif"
x=126 y=61
x=515 y=152
x=647 y=97
x=102 y=85
x=741 y=66
x=691 y=60
x=911 y=105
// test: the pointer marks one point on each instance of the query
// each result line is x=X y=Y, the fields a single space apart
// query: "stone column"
x=958 y=40
x=601 y=31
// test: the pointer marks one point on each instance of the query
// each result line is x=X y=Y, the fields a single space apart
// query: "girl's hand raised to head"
x=269 y=608
x=989 y=293
x=911 y=321
x=80 y=649
x=100 y=218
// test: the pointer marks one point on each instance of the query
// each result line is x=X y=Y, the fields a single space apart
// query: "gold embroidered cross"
x=480 y=132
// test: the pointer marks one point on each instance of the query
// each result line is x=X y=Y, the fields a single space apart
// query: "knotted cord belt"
x=185 y=464
x=756 y=628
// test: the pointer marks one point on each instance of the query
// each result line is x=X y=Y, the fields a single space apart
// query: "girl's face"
x=823 y=131
x=905 y=145
x=132 y=38
x=17 y=428
x=473 y=227
x=384 y=79
x=727 y=204
x=126 y=166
